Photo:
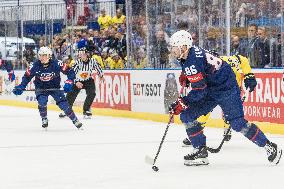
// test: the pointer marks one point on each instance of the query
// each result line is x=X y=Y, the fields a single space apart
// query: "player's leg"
x=233 y=112
x=71 y=97
x=202 y=119
x=194 y=131
x=227 y=134
x=62 y=103
x=90 y=88
x=42 y=99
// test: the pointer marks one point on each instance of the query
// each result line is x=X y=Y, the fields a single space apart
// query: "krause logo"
x=114 y=92
x=266 y=102
x=146 y=89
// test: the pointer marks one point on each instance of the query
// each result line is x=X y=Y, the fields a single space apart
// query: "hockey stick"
x=43 y=90
x=216 y=150
x=152 y=161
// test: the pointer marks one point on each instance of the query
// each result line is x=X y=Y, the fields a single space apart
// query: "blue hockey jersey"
x=47 y=77
x=208 y=75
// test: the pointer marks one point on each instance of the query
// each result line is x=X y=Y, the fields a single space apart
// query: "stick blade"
x=149 y=160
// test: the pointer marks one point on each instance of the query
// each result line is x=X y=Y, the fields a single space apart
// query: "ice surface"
x=109 y=154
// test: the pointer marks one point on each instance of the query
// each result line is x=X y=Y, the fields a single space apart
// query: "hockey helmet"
x=181 y=38
x=45 y=51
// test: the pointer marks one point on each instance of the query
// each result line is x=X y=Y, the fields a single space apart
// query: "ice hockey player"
x=213 y=83
x=240 y=65
x=84 y=67
x=9 y=68
x=46 y=72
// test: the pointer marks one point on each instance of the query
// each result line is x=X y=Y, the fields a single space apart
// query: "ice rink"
x=109 y=154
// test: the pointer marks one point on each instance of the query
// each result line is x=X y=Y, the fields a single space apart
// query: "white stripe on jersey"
x=84 y=70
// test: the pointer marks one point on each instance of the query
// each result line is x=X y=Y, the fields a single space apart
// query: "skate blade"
x=185 y=145
x=149 y=160
x=87 y=117
x=197 y=162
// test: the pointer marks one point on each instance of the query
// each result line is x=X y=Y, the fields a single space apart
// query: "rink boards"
x=146 y=94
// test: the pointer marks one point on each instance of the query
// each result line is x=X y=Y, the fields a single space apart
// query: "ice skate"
x=186 y=143
x=62 y=115
x=44 y=123
x=197 y=157
x=87 y=114
x=78 y=124
x=274 y=153
x=227 y=136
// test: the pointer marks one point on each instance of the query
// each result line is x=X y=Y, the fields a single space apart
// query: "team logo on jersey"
x=195 y=78
x=47 y=76
x=84 y=75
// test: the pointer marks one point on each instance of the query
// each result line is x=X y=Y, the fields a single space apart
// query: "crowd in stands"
x=255 y=30
x=255 y=33
x=108 y=43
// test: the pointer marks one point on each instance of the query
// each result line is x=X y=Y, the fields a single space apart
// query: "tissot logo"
x=142 y=89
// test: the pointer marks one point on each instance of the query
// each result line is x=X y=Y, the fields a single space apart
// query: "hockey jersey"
x=240 y=66
x=208 y=75
x=47 y=77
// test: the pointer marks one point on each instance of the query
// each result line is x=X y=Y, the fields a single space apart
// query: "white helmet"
x=44 y=50
x=181 y=38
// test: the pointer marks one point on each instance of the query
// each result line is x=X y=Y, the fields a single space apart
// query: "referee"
x=83 y=68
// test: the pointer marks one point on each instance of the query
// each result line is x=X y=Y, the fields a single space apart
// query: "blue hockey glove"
x=11 y=76
x=177 y=107
x=68 y=86
x=18 y=90
x=250 y=81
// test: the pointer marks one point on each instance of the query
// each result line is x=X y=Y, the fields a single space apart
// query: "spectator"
x=104 y=20
x=162 y=48
x=116 y=61
x=120 y=44
x=119 y=19
x=29 y=55
x=237 y=48
x=251 y=44
x=276 y=52
x=241 y=15
x=263 y=48
x=97 y=40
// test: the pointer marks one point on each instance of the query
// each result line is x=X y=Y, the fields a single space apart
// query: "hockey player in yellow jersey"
x=242 y=70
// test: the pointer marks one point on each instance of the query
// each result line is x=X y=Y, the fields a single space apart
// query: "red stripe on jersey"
x=195 y=78
x=0 y=62
x=28 y=72
x=64 y=67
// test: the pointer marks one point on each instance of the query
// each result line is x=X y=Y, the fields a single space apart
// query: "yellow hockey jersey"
x=239 y=64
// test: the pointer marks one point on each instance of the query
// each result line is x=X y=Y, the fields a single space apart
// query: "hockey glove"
x=250 y=81
x=68 y=86
x=11 y=76
x=177 y=107
x=18 y=90
x=183 y=81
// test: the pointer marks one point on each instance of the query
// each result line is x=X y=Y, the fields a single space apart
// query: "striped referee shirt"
x=84 y=70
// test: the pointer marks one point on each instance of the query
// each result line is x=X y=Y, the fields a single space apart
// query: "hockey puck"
x=155 y=168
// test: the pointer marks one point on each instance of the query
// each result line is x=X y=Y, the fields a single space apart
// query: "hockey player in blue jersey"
x=9 y=68
x=47 y=82
x=213 y=83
